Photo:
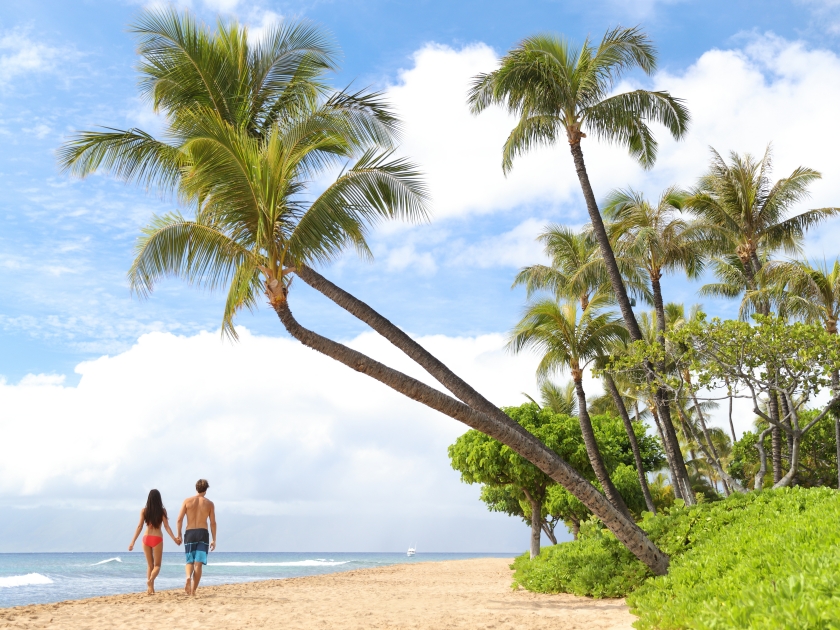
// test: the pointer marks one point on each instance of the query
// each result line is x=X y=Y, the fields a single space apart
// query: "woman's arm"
x=139 y=529
x=169 y=531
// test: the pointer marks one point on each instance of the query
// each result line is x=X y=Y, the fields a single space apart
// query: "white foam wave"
x=106 y=561
x=24 y=580
x=299 y=563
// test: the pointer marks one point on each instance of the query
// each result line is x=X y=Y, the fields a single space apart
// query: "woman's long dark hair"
x=155 y=512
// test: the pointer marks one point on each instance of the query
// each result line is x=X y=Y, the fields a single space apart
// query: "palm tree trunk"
x=603 y=239
x=678 y=472
x=595 y=453
x=425 y=359
x=521 y=442
x=675 y=484
x=634 y=443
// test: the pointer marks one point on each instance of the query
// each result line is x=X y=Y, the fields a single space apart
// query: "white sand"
x=460 y=594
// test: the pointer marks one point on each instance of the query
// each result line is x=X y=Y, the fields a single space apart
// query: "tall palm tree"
x=248 y=128
x=744 y=213
x=813 y=293
x=657 y=236
x=663 y=241
x=577 y=270
x=566 y=341
x=558 y=91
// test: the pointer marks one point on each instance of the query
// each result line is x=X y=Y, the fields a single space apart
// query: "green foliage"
x=481 y=459
x=760 y=560
x=818 y=453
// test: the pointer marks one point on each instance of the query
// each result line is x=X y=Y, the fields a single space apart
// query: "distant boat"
x=411 y=551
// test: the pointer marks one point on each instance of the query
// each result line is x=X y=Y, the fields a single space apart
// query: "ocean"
x=41 y=578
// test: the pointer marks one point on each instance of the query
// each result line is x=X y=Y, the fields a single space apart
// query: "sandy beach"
x=468 y=594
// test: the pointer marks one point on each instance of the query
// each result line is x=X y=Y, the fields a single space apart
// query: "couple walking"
x=198 y=510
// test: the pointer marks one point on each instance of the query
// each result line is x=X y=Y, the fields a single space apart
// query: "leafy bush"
x=762 y=560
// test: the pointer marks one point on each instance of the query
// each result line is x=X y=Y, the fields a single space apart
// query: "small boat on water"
x=411 y=551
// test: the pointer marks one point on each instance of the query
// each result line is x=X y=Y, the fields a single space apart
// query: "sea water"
x=40 y=578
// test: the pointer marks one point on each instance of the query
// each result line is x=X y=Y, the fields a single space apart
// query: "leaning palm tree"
x=811 y=292
x=558 y=91
x=566 y=341
x=248 y=128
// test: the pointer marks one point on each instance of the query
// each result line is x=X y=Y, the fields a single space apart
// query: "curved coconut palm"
x=248 y=128
x=566 y=341
x=561 y=92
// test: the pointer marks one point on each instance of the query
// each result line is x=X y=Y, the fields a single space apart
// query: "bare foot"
x=188 y=586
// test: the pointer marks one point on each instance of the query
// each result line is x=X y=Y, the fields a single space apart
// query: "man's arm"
x=181 y=515
x=213 y=526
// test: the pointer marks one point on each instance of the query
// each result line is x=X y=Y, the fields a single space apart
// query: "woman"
x=153 y=515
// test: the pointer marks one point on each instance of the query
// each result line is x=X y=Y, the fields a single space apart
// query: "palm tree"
x=557 y=91
x=559 y=398
x=813 y=293
x=662 y=241
x=743 y=212
x=564 y=341
x=577 y=270
x=248 y=128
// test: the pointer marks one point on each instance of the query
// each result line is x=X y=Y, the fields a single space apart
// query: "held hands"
x=178 y=541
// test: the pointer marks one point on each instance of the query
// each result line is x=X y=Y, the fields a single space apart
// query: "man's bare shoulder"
x=190 y=501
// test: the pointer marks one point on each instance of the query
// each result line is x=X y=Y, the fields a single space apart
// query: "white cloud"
x=770 y=89
x=516 y=248
x=461 y=153
x=22 y=55
x=274 y=426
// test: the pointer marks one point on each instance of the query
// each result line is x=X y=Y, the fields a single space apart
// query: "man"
x=197 y=542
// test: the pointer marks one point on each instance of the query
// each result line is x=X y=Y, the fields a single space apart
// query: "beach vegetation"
x=759 y=560
x=514 y=486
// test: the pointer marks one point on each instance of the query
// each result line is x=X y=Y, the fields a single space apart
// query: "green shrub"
x=761 y=560
x=775 y=565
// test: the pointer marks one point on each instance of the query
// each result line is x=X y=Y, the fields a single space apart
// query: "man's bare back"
x=197 y=510
x=197 y=542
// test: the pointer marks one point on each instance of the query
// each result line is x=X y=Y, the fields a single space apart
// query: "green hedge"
x=761 y=560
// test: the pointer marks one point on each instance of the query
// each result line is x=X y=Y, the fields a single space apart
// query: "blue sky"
x=751 y=73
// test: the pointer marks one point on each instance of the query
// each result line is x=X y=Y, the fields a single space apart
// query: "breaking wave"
x=24 y=580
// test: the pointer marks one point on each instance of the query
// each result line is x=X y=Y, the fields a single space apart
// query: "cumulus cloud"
x=768 y=90
x=277 y=429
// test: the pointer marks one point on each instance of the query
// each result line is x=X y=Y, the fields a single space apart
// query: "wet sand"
x=459 y=594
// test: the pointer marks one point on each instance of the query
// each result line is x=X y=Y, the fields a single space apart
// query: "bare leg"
x=188 y=586
x=150 y=564
x=157 y=553
x=196 y=576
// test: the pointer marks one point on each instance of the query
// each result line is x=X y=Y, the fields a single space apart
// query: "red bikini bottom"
x=152 y=541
